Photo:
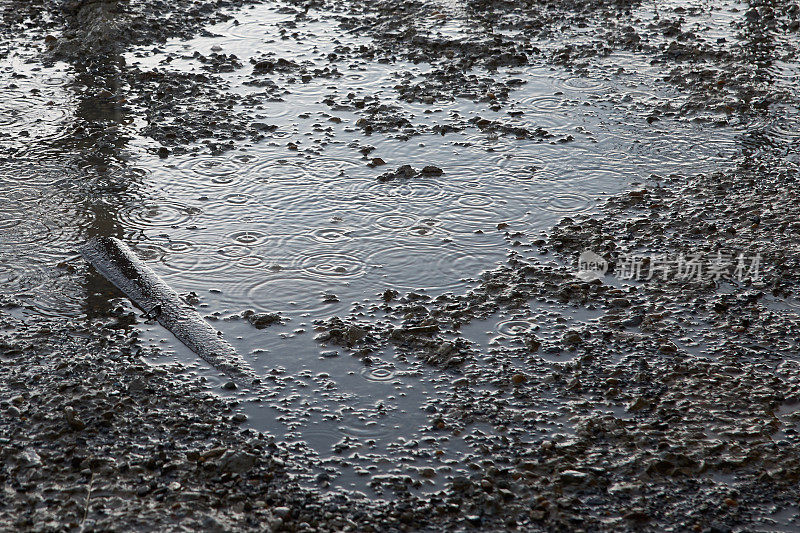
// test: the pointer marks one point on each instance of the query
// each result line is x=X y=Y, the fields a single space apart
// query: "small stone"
x=461 y=483
x=389 y=295
x=329 y=354
x=213 y=453
x=506 y=494
x=403 y=172
x=281 y=512
x=261 y=320
x=572 y=337
x=137 y=385
x=638 y=404
x=427 y=472
x=239 y=417
x=406 y=171
x=230 y=385
x=668 y=347
x=573 y=477
x=532 y=343
x=537 y=515
x=633 y=321
x=624 y=488
x=353 y=334
x=431 y=170
x=519 y=379
x=237 y=461
x=461 y=382
x=73 y=419
x=473 y=519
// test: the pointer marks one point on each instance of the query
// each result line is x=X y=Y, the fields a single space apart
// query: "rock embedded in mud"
x=431 y=170
x=73 y=419
x=460 y=382
x=532 y=343
x=519 y=379
x=668 y=347
x=262 y=320
x=389 y=295
x=237 y=461
x=572 y=337
x=403 y=172
x=570 y=477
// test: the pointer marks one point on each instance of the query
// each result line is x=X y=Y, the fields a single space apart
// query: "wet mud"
x=383 y=206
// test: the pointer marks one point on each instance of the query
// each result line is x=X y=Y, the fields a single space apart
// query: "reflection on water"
x=307 y=232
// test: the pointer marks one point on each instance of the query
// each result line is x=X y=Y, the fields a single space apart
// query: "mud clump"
x=407 y=172
x=262 y=320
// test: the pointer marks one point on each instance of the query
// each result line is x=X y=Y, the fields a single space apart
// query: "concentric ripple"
x=475 y=200
x=285 y=293
x=20 y=232
x=17 y=277
x=415 y=265
x=234 y=251
x=198 y=266
x=149 y=252
x=396 y=221
x=248 y=237
x=330 y=235
x=568 y=203
x=180 y=247
x=221 y=171
x=154 y=215
x=252 y=261
x=514 y=327
x=378 y=374
x=237 y=198
x=418 y=190
x=327 y=264
x=580 y=84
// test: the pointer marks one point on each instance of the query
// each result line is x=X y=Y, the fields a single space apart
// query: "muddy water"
x=298 y=224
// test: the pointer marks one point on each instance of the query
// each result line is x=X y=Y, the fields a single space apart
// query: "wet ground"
x=407 y=188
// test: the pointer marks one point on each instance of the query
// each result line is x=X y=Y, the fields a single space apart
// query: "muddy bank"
x=95 y=438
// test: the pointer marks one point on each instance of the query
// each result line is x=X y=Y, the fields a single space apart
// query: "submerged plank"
x=114 y=260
